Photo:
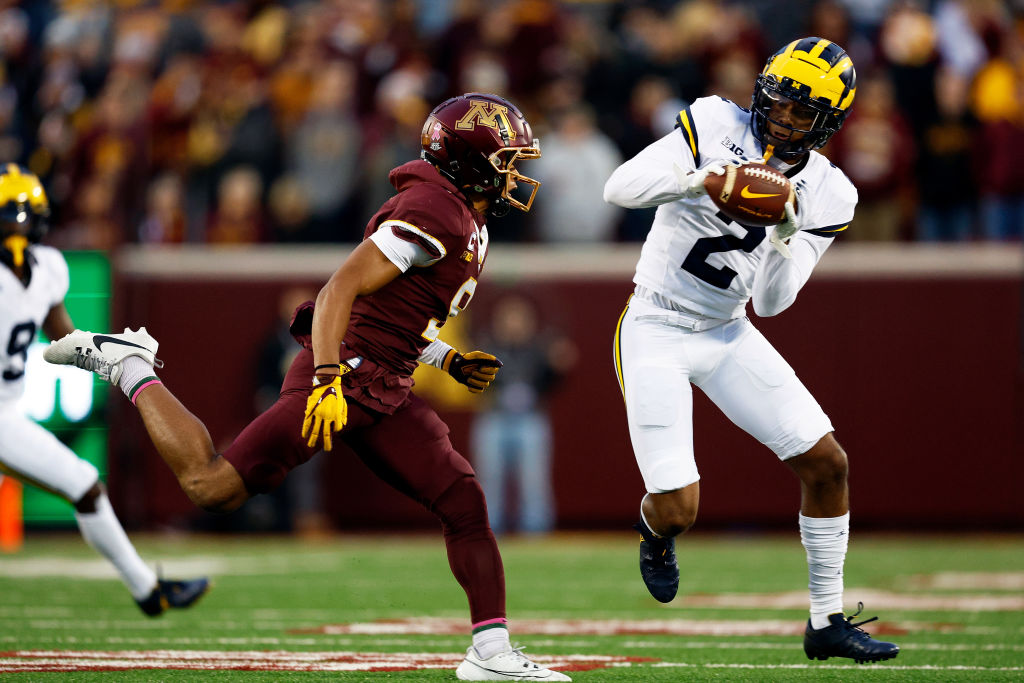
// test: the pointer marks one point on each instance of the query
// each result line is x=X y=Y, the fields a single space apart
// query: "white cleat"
x=103 y=353
x=511 y=665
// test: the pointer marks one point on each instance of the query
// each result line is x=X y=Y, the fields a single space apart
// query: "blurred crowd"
x=255 y=121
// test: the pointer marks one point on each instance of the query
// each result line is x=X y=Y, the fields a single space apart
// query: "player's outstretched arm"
x=648 y=179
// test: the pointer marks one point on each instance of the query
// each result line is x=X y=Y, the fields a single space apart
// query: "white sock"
x=644 y=518
x=489 y=642
x=103 y=532
x=136 y=375
x=825 y=539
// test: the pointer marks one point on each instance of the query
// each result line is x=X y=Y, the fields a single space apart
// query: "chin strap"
x=16 y=245
x=499 y=207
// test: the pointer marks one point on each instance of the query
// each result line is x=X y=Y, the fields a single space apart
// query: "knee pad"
x=87 y=503
x=462 y=506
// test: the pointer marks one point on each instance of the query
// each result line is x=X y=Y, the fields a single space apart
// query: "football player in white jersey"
x=686 y=321
x=33 y=283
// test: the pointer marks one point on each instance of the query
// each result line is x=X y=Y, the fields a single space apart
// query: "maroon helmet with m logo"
x=475 y=140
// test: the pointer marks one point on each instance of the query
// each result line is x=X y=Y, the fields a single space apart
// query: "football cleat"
x=843 y=638
x=177 y=594
x=658 y=565
x=511 y=665
x=103 y=353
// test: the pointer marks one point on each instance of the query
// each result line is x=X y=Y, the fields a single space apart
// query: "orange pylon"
x=12 y=526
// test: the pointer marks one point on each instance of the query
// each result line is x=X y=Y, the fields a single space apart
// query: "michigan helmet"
x=475 y=140
x=818 y=77
x=24 y=209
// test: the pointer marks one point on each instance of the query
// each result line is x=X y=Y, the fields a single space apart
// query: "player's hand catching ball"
x=692 y=184
x=326 y=411
x=783 y=231
x=476 y=369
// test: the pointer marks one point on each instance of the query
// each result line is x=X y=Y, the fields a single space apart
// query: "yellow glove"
x=476 y=369
x=326 y=412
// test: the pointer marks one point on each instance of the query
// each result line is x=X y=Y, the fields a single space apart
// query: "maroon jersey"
x=441 y=244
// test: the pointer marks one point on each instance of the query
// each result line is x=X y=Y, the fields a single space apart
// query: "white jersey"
x=22 y=311
x=698 y=261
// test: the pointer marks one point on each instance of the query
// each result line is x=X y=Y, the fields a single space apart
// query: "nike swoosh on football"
x=747 y=194
x=101 y=339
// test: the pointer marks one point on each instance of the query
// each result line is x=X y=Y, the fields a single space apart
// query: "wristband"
x=328 y=365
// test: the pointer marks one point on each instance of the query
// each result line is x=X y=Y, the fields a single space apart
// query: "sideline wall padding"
x=916 y=355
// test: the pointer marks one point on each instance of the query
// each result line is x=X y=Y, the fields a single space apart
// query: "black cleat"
x=658 y=565
x=844 y=639
x=168 y=594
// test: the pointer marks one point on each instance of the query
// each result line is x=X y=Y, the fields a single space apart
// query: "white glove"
x=692 y=184
x=784 y=230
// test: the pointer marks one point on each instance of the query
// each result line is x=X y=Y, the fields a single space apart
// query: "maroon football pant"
x=410 y=450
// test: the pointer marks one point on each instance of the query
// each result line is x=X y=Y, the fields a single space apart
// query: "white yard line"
x=64 y=661
x=890 y=600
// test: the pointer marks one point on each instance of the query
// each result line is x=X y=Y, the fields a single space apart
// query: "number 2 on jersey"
x=696 y=263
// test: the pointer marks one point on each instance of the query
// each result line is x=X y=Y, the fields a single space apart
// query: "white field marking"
x=144 y=625
x=757 y=645
x=1001 y=581
x=614 y=627
x=179 y=641
x=559 y=627
x=57 y=660
x=62 y=661
x=888 y=600
x=98 y=569
x=38 y=611
x=268 y=616
x=235 y=565
x=852 y=667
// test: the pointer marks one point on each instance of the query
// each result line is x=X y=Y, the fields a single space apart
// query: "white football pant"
x=658 y=356
x=39 y=457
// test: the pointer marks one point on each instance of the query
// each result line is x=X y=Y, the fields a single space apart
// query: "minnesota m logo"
x=496 y=118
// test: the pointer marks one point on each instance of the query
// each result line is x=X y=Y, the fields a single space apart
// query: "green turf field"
x=283 y=609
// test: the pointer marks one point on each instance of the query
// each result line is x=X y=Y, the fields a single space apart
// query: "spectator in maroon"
x=173 y=105
x=164 y=222
x=998 y=101
x=945 y=161
x=239 y=217
x=113 y=150
x=876 y=150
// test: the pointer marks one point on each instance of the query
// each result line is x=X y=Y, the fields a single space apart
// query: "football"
x=751 y=194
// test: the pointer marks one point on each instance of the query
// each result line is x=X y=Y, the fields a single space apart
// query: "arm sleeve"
x=648 y=179
x=407 y=245
x=778 y=280
x=435 y=353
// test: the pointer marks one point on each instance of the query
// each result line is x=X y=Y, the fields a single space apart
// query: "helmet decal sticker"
x=496 y=118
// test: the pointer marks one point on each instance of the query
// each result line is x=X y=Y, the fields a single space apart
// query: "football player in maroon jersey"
x=376 y=318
